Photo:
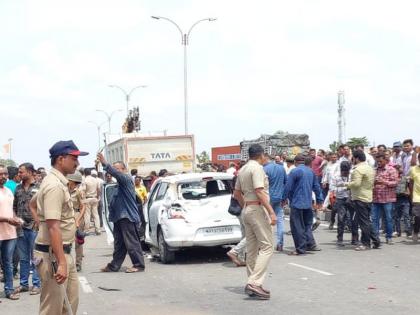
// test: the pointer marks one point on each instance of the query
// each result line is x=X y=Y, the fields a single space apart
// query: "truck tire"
x=166 y=256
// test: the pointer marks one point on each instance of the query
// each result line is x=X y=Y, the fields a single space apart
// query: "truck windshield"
x=204 y=189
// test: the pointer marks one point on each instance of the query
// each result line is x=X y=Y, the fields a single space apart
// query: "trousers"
x=259 y=243
x=91 y=205
x=126 y=240
x=52 y=294
x=363 y=210
x=25 y=245
x=301 y=228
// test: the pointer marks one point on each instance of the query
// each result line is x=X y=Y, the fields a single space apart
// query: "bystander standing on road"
x=301 y=182
x=414 y=175
x=8 y=236
x=361 y=187
x=251 y=191
x=331 y=170
x=123 y=212
x=141 y=190
x=384 y=195
x=92 y=194
x=56 y=234
x=277 y=181
x=78 y=198
x=29 y=230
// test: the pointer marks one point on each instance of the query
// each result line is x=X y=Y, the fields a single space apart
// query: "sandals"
x=13 y=296
x=133 y=270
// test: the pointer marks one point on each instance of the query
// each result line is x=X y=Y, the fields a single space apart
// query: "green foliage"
x=7 y=162
x=334 y=146
x=352 y=142
x=203 y=158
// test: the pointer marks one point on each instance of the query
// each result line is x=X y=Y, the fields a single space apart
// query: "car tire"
x=166 y=256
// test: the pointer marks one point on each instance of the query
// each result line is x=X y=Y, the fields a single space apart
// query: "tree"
x=7 y=162
x=353 y=142
x=334 y=146
x=203 y=157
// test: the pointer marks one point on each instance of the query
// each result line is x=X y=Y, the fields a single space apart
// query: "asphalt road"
x=333 y=281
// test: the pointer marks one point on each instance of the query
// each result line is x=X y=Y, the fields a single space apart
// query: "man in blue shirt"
x=124 y=213
x=301 y=182
x=277 y=180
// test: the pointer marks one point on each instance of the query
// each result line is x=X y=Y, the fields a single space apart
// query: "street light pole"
x=184 y=42
x=109 y=117
x=127 y=94
x=98 y=126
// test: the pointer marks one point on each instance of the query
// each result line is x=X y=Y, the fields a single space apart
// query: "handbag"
x=234 y=207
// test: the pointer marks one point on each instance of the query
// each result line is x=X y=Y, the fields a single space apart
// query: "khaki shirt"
x=91 y=187
x=77 y=198
x=54 y=203
x=361 y=183
x=251 y=176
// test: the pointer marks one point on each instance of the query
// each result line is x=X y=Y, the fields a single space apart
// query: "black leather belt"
x=46 y=248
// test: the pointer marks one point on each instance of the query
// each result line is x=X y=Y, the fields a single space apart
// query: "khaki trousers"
x=91 y=205
x=259 y=243
x=52 y=294
x=79 y=248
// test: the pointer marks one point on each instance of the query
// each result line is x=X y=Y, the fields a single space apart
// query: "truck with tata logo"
x=146 y=154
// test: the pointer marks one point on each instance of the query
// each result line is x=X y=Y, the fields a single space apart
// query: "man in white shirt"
x=232 y=169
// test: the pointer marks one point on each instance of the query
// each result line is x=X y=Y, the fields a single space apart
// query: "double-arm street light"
x=98 y=126
x=184 y=42
x=109 y=117
x=127 y=94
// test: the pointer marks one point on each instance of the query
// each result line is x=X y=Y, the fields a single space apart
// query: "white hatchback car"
x=189 y=210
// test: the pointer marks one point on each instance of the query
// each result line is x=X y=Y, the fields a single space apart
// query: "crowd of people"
x=371 y=191
x=368 y=191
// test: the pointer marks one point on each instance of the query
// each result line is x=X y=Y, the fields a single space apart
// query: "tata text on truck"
x=146 y=154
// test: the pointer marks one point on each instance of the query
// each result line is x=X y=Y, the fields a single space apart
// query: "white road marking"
x=85 y=285
x=312 y=269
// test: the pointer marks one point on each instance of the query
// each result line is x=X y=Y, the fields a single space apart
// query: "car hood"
x=214 y=209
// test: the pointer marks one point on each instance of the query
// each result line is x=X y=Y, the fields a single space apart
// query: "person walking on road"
x=251 y=191
x=57 y=229
x=361 y=187
x=78 y=198
x=92 y=194
x=8 y=236
x=301 y=182
x=124 y=213
x=277 y=181
x=27 y=234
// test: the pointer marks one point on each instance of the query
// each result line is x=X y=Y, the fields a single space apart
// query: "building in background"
x=225 y=155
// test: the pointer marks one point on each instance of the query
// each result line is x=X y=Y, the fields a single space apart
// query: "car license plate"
x=219 y=230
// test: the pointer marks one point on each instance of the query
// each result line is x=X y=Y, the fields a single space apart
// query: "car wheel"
x=166 y=256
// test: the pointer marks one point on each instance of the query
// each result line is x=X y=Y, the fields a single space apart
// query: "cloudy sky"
x=262 y=66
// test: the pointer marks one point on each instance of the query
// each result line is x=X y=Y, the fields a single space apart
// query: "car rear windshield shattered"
x=204 y=189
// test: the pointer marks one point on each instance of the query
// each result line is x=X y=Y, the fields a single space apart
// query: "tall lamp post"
x=109 y=117
x=184 y=42
x=98 y=127
x=127 y=94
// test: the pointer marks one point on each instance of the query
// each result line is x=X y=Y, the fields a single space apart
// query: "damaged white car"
x=189 y=210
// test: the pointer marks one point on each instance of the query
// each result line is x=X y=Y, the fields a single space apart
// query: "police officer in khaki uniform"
x=56 y=234
x=251 y=191
x=79 y=207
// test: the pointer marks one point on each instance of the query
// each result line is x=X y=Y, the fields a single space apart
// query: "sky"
x=262 y=66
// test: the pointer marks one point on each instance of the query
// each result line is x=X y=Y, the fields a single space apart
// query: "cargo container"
x=146 y=154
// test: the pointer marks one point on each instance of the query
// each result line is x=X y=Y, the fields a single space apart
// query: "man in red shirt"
x=317 y=163
x=384 y=195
